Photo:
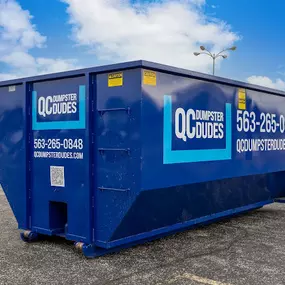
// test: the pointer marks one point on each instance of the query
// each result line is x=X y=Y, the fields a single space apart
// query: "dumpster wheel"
x=28 y=236
x=90 y=250
x=86 y=249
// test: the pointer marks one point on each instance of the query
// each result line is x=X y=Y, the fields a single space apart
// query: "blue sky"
x=51 y=35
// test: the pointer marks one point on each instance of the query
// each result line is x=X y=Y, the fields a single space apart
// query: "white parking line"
x=198 y=279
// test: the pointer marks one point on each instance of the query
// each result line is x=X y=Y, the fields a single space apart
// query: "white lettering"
x=251 y=145
x=57 y=104
x=180 y=134
x=190 y=131
x=199 y=124
x=41 y=106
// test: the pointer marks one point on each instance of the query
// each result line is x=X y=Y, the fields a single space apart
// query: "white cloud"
x=18 y=59
x=16 y=27
x=17 y=37
x=267 y=82
x=48 y=65
x=7 y=76
x=37 y=66
x=163 y=31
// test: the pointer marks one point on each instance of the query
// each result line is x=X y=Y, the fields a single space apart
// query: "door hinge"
x=30 y=193
x=92 y=171
x=93 y=138
x=92 y=105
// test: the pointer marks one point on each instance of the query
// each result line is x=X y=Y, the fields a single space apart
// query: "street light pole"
x=215 y=56
x=214 y=61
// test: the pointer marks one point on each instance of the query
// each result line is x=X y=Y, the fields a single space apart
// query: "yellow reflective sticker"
x=241 y=99
x=115 y=79
x=149 y=77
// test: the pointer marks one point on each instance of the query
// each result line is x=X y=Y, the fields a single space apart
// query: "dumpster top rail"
x=143 y=64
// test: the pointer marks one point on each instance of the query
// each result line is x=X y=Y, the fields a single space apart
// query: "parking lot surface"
x=248 y=249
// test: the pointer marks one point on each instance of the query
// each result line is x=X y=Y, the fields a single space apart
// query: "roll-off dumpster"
x=113 y=156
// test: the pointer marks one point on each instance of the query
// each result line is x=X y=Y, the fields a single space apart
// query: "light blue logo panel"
x=61 y=125
x=186 y=156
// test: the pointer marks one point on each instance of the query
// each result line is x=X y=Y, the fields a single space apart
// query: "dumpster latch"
x=127 y=150
x=280 y=200
x=103 y=111
x=113 y=189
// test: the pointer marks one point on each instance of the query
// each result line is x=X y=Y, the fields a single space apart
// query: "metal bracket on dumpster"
x=113 y=189
x=127 y=150
x=280 y=200
x=103 y=111
x=28 y=236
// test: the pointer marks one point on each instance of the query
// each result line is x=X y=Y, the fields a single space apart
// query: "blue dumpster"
x=112 y=156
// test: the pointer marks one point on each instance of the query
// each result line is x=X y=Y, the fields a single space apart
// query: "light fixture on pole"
x=213 y=55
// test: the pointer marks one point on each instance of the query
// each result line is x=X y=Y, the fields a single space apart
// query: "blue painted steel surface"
x=111 y=164
x=13 y=139
x=199 y=95
x=66 y=147
x=117 y=168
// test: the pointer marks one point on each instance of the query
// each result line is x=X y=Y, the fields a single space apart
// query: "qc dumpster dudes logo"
x=59 y=111
x=207 y=124
x=196 y=124
x=57 y=105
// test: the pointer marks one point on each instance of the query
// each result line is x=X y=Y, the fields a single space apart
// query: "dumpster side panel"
x=118 y=153
x=202 y=131
x=13 y=150
x=207 y=148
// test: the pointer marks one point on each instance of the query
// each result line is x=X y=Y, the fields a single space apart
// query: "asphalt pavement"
x=248 y=250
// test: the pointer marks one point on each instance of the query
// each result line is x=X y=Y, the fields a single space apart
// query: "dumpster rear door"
x=61 y=200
